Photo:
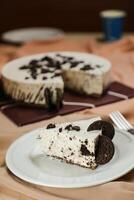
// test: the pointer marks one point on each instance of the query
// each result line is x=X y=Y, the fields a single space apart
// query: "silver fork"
x=121 y=122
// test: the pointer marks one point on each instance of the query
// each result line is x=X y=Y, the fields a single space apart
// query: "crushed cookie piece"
x=33 y=62
x=60 y=130
x=51 y=126
x=84 y=150
x=86 y=67
x=86 y=141
x=68 y=127
x=76 y=128
x=44 y=78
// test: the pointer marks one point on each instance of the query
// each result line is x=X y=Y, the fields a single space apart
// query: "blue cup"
x=112 y=24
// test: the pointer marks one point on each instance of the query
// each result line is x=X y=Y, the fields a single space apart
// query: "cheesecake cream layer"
x=86 y=83
x=32 y=93
x=75 y=145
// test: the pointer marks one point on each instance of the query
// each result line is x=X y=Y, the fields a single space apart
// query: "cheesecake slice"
x=74 y=143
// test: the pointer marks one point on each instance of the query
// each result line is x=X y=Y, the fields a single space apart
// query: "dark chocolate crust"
x=106 y=127
x=70 y=162
x=104 y=150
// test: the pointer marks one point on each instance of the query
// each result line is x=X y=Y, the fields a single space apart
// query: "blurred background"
x=69 y=15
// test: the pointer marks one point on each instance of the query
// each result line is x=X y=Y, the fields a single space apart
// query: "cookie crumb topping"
x=51 y=126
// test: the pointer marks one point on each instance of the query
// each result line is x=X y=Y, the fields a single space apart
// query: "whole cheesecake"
x=41 y=79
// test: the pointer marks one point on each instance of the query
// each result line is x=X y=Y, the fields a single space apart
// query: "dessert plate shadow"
x=42 y=170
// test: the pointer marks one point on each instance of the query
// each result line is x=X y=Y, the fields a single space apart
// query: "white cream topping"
x=19 y=75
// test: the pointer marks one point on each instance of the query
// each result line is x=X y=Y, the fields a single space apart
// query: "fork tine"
x=116 y=120
x=121 y=121
x=124 y=120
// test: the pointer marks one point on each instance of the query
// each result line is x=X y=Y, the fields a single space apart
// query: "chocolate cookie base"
x=72 y=163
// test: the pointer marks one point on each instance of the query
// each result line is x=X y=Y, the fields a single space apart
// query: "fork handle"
x=131 y=131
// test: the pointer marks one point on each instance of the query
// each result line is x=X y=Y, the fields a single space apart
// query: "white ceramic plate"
x=44 y=171
x=28 y=34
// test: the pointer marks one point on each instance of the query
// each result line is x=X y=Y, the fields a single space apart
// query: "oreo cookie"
x=48 y=98
x=106 y=127
x=59 y=99
x=104 y=150
x=51 y=126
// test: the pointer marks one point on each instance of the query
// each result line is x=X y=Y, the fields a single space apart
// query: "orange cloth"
x=121 y=54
